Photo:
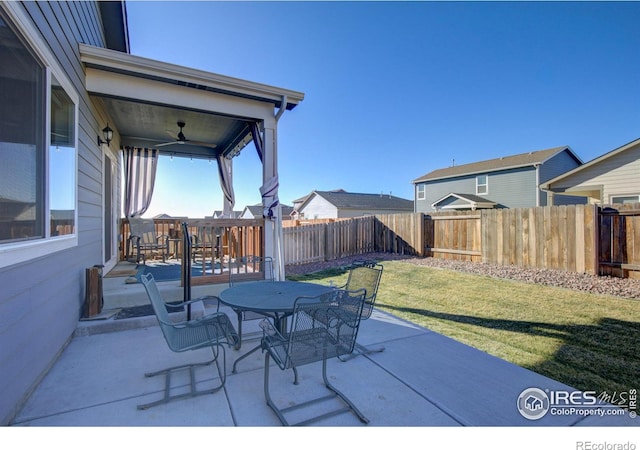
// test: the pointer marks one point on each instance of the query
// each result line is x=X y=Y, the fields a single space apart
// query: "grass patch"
x=587 y=341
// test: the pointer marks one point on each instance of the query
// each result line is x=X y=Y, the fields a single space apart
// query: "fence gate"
x=619 y=241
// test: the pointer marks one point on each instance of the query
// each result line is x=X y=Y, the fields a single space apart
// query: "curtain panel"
x=269 y=190
x=140 y=166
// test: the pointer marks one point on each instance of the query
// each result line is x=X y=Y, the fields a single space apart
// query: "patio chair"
x=322 y=327
x=254 y=268
x=146 y=241
x=204 y=241
x=364 y=274
x=213 y=331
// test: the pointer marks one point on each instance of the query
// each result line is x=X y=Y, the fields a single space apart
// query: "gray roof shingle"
x=349 y=200
x=491 y=165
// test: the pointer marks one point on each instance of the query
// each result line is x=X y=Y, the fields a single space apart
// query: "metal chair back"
x=365 y=277
x=145 y=238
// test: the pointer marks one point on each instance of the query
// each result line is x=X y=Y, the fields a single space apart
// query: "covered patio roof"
x=191 y=113
x=145 y=99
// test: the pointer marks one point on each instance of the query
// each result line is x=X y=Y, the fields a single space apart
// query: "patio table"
x=273 y=299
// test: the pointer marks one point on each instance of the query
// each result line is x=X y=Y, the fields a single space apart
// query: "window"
x=482 y=184
x=421 y=192
x=622 y=199
x=38 y=123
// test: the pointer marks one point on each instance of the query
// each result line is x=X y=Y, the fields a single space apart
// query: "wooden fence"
x=328 y=241
x=578 y=238
x=555 y=237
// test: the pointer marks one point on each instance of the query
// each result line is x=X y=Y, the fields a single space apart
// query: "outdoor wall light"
x=107 y=133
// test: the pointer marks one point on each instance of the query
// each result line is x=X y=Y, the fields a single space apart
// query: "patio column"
x=272 y=228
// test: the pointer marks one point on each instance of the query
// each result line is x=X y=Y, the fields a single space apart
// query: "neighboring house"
x=220 y=215
x=340 y=204
x=608 y=179
x=257 y=211
x=507 y=182
x=74 y=100
x=165 y=216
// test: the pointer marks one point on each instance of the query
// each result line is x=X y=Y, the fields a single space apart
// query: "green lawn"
x=590 y=342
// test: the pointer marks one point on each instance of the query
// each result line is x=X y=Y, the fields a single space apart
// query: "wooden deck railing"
x=216 y=244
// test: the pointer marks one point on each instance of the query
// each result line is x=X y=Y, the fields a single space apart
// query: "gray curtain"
x=257 y=138
x=225 y=172
x=269 y=190
x=139 y=178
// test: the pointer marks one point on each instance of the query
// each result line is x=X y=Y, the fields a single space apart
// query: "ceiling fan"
x=181 y=139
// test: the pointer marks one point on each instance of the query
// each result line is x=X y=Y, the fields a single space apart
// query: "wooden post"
x=93 y=291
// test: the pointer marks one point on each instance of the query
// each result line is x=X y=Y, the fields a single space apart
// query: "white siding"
x=619 y=175
x=319 y=208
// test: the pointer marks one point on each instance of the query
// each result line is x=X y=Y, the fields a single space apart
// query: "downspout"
x=538 y=188
x=283 y=107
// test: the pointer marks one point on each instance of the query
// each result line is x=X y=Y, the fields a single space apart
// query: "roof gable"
x=349 y=200
x=594 y=162
x=462 y=201
x=496 y=164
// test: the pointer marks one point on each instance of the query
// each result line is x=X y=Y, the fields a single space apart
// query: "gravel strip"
x=619 y=287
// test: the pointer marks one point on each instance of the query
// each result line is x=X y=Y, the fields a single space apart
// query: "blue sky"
x=394 y=90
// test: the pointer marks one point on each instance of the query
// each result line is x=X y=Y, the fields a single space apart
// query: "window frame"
x=12 y=253
x=421 y=191
x=611 y=197
x=485 y=184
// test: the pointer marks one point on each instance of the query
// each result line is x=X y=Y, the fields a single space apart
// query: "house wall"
x=618 y=174
x=514 y=188
x=557 y=165
x=319 y=208
x=41 y=299
x=350 y=213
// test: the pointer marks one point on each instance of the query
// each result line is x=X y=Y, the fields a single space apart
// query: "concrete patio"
x=422 y=379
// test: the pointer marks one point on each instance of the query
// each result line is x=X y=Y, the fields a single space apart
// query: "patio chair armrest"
x=175 y=306
x=199 y=299
x=213 y=317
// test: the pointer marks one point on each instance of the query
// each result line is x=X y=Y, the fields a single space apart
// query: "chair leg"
x=267 y=396
x=239 y=343
x=360 y=350
x=335 y=392
x=344 y=398
x=194 y=392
